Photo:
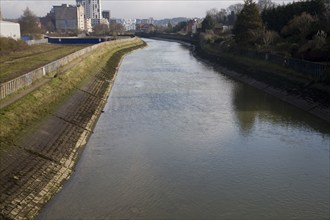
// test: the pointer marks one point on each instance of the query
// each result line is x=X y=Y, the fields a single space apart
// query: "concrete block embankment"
x=27 y=79
x=35 y=167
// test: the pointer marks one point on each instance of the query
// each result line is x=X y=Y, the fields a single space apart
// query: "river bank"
x=54 y=123
x=285 y=84
x=180 y=140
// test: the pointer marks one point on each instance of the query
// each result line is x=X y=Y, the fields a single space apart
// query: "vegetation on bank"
x=299 y=30
x=277 y=43
x=17 y=118
x=18 y=58
x=259 y=69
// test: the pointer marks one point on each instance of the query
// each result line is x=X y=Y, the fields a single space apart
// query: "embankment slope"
x=45 y=131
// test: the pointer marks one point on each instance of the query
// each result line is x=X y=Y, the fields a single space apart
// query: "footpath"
x=36 y=166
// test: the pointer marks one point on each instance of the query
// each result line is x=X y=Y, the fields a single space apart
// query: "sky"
x=158 y=9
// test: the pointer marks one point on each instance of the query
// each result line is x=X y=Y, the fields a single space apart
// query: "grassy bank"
x=272 y=74
x=17 y=118
x=18 y=62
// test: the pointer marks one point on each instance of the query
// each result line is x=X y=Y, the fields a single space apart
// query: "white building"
x=10 y=29
x=92 y=10
x=88 y=25
x=129 y=24
x=104 y=21
x=81 y=17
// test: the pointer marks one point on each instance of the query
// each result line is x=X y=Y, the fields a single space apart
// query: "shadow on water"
x=250 y=106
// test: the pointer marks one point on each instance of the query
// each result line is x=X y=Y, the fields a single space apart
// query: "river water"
x=178 y=139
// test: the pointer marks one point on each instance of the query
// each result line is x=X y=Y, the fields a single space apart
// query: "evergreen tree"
x=278 y=17
x=248 y=21
x=208 y=23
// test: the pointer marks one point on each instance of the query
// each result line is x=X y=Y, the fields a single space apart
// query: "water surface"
x=180 y=140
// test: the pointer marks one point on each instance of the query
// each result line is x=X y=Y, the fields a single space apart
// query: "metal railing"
x=27 y=79
x=313 y=70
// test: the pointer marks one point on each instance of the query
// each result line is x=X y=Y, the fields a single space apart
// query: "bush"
x=8 y=45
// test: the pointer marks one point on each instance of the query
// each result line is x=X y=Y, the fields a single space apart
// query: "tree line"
x=298 y=29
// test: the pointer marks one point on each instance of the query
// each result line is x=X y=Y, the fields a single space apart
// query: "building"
x=10 y=29
x=88 y=25
x=129 y=24
x=92 y=9
x=69 y=18
x=106 y=15
x=104 y=21
x=145 y=21
x=48 y=22
x=145 y=28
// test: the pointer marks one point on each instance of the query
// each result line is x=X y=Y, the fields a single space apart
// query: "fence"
x=313 y=70
x=27 y=79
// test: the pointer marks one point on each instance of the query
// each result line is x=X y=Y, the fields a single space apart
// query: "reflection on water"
x=251 y=105
x=179 y=140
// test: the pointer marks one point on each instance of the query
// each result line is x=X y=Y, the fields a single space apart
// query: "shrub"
x=8 y=45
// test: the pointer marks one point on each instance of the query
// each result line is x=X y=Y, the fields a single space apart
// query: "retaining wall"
x=27 y=79
x=40 y=41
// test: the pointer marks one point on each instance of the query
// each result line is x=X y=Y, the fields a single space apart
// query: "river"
x=178 y=139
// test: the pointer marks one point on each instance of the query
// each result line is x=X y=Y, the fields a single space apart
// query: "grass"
x=272 y=74
x=8 y=45
x=269 y=72
x=17 y=118
x=18 y=62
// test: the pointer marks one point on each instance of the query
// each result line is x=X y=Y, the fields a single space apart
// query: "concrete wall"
x=27 y=79
x=40 y=41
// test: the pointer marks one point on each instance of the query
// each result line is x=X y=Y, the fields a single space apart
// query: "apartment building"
x=69 y=18
x=92 y=9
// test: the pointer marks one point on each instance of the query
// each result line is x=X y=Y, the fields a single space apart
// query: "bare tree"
x=101 y=29
x=265 y=4
x=236 y=8
x=29 y=23
x=213 y=13
x=300 y=24
x=116 y=28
